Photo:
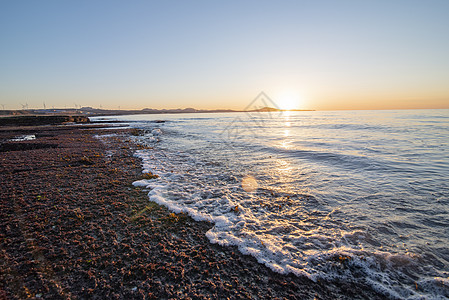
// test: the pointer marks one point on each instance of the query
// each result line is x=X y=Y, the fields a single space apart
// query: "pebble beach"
x=72 y=226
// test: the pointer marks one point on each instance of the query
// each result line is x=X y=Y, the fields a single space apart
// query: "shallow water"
x=355 y=195
x=22 y=138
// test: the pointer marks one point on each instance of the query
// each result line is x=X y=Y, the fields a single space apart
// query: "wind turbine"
x=3 y=106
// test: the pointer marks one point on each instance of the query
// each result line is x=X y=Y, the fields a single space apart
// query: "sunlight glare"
x=289 y=100
x=249 y=184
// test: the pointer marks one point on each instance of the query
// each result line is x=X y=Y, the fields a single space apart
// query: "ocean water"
x=350 y=195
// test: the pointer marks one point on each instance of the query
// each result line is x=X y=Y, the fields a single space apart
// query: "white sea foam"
x=28 y=137
x=323 y=208
x=231 y=228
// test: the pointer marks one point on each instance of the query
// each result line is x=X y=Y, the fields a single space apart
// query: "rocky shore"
x=41 y=120
x=72 y=226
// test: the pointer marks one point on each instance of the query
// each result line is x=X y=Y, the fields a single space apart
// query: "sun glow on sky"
x=289 y=100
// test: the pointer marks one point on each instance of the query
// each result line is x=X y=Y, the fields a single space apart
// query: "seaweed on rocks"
x=73 y=226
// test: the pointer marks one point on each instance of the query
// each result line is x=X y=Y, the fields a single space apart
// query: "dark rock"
x=41 y=120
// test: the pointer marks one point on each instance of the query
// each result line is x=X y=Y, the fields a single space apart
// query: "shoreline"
x=73 y=226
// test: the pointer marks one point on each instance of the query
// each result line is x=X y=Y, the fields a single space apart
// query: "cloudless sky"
x=221 y=54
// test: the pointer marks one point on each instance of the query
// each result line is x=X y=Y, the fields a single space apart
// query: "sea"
x=357 y=196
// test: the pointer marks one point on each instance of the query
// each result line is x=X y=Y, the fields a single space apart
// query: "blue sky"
x=211 y=54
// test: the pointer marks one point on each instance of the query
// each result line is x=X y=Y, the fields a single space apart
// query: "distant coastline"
x=89 y=111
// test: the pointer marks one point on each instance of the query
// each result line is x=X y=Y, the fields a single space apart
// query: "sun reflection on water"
x=286 y=144
x=284 y=166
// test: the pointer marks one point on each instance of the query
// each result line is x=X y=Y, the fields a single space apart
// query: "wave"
x=304 y=247
x=353 y=162
x=322 y=233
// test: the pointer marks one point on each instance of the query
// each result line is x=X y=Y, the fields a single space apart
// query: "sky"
x=321 y=55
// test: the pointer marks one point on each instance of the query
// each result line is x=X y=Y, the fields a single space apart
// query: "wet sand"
x=73 y=226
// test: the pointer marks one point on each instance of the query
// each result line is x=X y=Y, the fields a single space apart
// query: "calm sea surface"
x=354 y=195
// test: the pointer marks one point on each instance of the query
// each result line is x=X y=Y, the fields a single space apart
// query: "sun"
x=288 y=101
x=287 y=104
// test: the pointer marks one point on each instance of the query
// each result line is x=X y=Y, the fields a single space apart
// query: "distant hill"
x=89 y=111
